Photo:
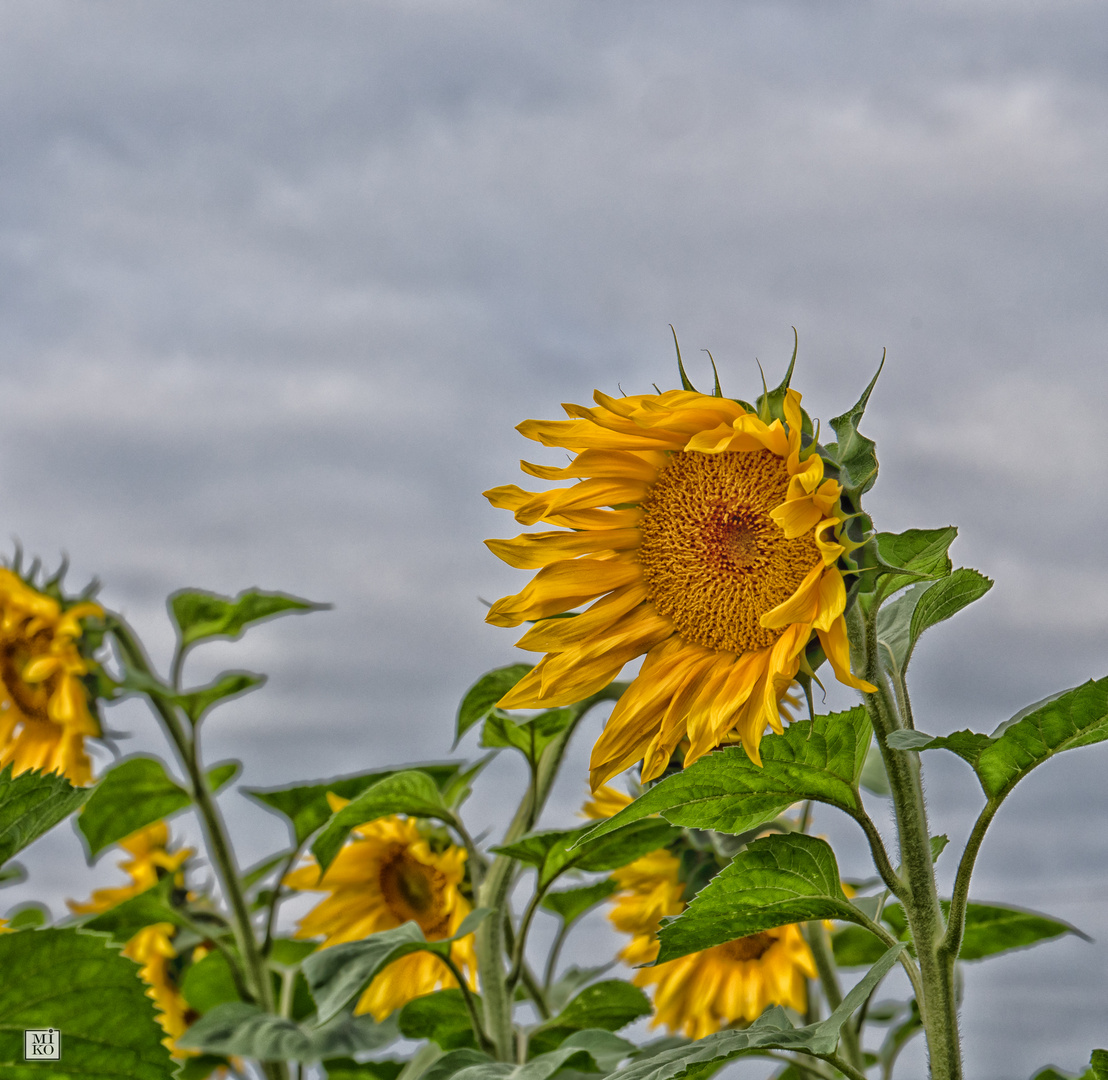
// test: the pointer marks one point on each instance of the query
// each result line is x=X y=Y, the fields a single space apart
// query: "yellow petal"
x=557 y=635
x=801 y=607
x=534 y=550
x=562 y=586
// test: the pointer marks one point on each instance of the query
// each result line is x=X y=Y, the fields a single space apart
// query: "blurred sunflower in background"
x=391 y=873
x=152 y=947
x=706 y=537
x=45 y=712
x=704 y=991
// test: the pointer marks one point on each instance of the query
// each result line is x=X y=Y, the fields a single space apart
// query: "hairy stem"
x=956 y=916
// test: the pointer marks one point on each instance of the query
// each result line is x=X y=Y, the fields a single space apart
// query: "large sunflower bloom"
x=386 y=876
x=44 y=707
x=709 y=540
x=704 y=991
x=152 y=947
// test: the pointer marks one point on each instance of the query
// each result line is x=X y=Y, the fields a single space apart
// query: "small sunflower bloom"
x=44 y=706
x=152 y=947
x=387 y=875
x=704 y=991
x=704 y=538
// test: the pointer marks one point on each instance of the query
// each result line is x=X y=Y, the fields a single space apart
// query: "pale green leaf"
x=198 y=615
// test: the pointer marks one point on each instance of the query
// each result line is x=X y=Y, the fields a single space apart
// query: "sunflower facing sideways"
x=706 y=537
x=44 y=706
x=391 y=873
x=704 y=991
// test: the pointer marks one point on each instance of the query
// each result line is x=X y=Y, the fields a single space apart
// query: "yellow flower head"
x=152 y=947
x=386 y=876
x=702 y=992
x=44 y=707
x=709 y=540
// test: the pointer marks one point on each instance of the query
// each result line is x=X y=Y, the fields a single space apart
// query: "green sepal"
x=306 y=808
x=609 y=1005
x=245 y=1030
x=1074 y=718
x=79 y=985
x=441 y=1017
x=570 y=904
x=31 y=804
x=770 y=404
x=771 y=1031
x=726 y=792
x=855 y=454
x=339 y=974
x=774 y=881
x=555 y=852
x=412 y=792
x=199 y=615
x=901 y=622
x=481 y=698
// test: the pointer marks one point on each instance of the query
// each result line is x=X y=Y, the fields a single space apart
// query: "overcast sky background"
x=277 y=280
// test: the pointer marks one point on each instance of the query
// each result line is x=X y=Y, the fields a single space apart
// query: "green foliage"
x=79 y=985
x=1097 y=1070
x=196 y=703
x=602 y=1047
x=28 y=916
x=558 y=851
x=571 y=904
x=349 y=1069
x=31 y=804
x=609 y=1005
x=201 y=615
x=774 y=881
x=441 y=1017
x=306 y=806
x=920 y=552
x=530 y=736
x=123 y=921
x=1076 y=718
x=209 y=982
x=481 y=698
x=242 y=1029
x=771 y=1031
x=339 y=974
x=901 y=622
x=412 y=792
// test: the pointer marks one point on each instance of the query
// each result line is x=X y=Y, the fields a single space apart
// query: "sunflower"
x=44 y=707
x=709 y=539
x=152 y=947
x=388 y=875
x=704 y=991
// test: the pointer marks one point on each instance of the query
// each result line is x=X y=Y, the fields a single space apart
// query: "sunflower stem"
x=938 y=1007
x=816 y=935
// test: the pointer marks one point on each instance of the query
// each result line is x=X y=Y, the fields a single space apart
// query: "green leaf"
x=572 y=980
x=337 y=975
x=243 y=1029
x=609 y=1005
x=199 y=615
x=289 y=953
x=855 y=946
x=606 y=1049
x=771 y=1031
x=28 y=916
x=349 y=1069
x=306 y=805
x=125 y=920
x=571 y=904
x=209 y=983
x=1072 y=719
x=79 y=985
x=440 y=1017
x=558 y=851
x=201 y=1067
x=1099 y=1065
x=530 y=736
x=992 y=929
x=873 y=776
x=132 y=794
x=725 y=791
x=12 y=875
x=774 y=881
x=856 y=454
x=261 y=870
x=481 y=698
x=222 y=774
x=918 y=551
x=454 y=1062
x=412 y=792
x=901 y=622
x=230 y=684
x=31 y=804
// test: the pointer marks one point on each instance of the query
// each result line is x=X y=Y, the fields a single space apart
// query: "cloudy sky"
x=277 y=280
